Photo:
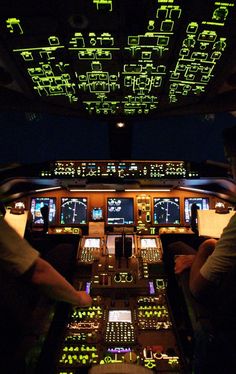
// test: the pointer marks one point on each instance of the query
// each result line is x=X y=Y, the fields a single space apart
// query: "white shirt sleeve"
x=224 y=256
x=16 y=254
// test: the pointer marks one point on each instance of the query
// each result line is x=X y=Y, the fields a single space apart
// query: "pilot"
x=18 y=259
x=25 y=280
x=212 y=280
x=214 y=259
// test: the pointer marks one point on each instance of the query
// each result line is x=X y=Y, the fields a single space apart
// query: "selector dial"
x=117 y=278
x=129 y=277
x=130 y=357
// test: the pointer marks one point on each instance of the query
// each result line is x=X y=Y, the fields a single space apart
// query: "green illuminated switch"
x=103 y=5
x=220 y=44
x=189 y=77
x=86 y=55
x=106 y=40
x=147 y=55
x=181 y=67
x=167 y=25
x=192 y=28
x=53 y=40
x=13 y=24
x=199 y=56
x=27 y=55
x=175 y=75
x=216 y=55
x=175 y=12
x=220 y=14
x=103 y=55
x=184 y=52
x=133 y=40
x=77 y=41
x=162 y=12
x=189 y=42
x=205 y=78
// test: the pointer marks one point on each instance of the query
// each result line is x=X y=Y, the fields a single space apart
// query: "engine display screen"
x=120 y=211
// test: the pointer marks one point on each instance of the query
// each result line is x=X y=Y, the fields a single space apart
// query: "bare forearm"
x=199 y=260
x=199 y=286
x=56 y=286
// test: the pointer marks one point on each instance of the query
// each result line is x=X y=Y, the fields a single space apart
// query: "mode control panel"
x=119 y=169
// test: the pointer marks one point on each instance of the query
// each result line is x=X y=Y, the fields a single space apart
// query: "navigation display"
x=201 y=202
x=73 y=210
x=120 y=316
x=166 y=210
x=37 y=203
x=120 y=211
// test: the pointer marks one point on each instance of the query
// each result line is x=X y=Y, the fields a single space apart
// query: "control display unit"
x=148 y=243
x=92 y=243
x=120 y=316
x=73 y=210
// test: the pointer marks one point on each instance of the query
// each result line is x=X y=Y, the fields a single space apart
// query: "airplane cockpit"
x=117 y=141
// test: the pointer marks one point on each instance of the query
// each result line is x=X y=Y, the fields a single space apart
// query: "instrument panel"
x=137 y=331
x=120 y=169
x=145 y=212
x=130 y=320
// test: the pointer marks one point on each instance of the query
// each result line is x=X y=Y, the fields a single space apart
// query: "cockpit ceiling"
x=126 y=58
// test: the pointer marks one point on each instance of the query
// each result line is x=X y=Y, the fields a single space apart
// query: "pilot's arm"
x=55 y=285
x=199 y=285
x=19 y=259
x=213 y=261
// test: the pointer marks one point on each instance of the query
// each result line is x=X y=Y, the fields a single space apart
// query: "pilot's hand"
x=183 y=262
x=84 y=299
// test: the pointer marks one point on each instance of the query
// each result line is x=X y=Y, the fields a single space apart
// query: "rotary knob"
x=117 y=278
x=130 y=358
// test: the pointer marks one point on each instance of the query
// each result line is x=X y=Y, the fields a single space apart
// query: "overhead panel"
x=120 y=58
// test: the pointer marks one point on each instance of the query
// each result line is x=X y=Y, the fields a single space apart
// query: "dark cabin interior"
x=119 y=116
